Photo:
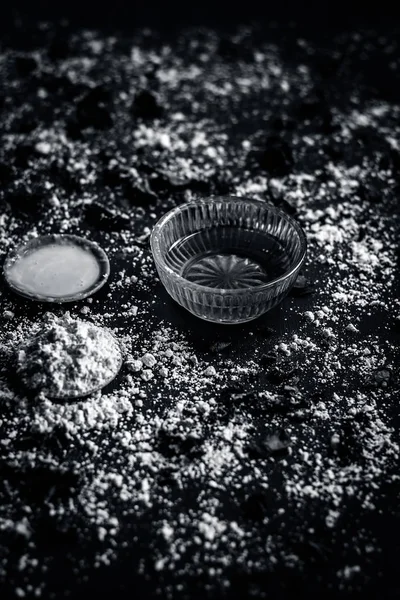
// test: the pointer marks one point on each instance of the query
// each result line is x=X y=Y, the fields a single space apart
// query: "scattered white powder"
x=280 y=431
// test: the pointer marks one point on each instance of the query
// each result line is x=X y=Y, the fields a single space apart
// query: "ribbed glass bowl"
x=227 y=259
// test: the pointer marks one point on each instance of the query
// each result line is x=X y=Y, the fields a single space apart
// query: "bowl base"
x=229 y=258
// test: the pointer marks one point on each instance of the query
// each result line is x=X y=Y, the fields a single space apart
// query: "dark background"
x=314 y=15
x=319 y=19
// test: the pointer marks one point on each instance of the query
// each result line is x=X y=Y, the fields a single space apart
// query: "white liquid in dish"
x=55 y=270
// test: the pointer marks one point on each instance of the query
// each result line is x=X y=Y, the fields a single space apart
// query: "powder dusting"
x=254 y=461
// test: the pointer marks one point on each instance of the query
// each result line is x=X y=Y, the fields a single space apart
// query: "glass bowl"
x=227 y=259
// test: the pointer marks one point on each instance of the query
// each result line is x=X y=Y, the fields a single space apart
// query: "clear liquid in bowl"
x=228 y=257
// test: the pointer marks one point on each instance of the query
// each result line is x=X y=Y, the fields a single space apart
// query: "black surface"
x=122 y=577
x=313 y=15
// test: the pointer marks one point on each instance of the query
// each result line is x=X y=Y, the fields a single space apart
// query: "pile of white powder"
x=66 y=357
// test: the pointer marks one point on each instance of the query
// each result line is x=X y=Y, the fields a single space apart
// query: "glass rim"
x=160 y=262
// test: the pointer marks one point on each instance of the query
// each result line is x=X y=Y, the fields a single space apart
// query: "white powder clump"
x=210 y=371
x=43 y=147
x=147 y=374
x=149 y=360
x=135 y=365
x=68 y=357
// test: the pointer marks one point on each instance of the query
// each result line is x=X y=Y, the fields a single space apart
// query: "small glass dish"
x=56 y=268
x=228 y=259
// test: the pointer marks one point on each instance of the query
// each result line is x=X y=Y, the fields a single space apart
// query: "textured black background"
x=320 y=19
